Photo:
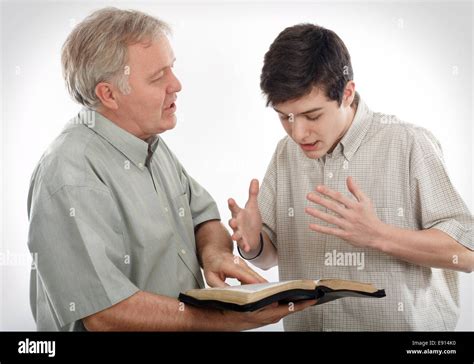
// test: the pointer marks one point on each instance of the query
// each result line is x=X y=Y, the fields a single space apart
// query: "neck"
x=349 y=120
x=128 y=126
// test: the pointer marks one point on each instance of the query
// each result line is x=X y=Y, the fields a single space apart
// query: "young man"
x=353 y=194
x=118 y=226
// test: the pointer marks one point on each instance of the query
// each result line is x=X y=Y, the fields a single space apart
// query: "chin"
x=315 y=154
x=166 y=124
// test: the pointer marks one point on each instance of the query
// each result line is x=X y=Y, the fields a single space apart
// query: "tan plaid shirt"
x=400 y=167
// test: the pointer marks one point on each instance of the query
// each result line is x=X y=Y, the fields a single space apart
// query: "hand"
x=270 y=314
x=246 y=223
x=218 y=267
x=356 y=222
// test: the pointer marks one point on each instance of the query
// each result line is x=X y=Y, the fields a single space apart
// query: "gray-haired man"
x=118 y=225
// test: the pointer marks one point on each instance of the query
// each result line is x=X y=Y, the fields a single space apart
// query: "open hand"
x=356 y=219
x=246 y=223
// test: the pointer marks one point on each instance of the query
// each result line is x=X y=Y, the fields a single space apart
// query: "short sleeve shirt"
x=401 y=169
x=110 y=214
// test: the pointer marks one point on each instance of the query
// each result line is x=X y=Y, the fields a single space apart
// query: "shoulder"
x=391 y=131
x=69 y=161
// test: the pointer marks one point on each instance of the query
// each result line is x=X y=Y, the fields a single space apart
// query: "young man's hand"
x=356 y=222
x=246 y=223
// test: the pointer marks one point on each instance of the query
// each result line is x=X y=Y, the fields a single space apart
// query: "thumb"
x=233 y=207
x=253 y=192
x=354 y=189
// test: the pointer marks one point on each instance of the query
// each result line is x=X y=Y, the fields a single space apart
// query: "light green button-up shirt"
x=110 y=214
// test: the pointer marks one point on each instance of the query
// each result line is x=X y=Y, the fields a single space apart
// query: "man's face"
x=315 y=123
x=150 y=106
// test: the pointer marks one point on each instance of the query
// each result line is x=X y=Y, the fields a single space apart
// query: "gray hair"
x=97 y=50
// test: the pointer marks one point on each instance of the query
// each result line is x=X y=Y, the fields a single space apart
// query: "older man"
x=118 y=225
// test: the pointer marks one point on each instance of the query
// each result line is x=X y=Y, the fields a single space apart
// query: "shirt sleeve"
x=80 y=254
x=437 y=204
x=202 y=205
x=267 y=201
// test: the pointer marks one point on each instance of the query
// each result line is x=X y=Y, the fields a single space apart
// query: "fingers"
x=330 y=204
x=253 y=192
x=246 y=277
x=299 y=306
x=233 y=223
x=233 y=207
x=249 y=276
x=243 y=245
x=214 y=280
x=354 y=189
x=329 y=230
x=331 y=219
x=336 y=196
x=282 y=310
x=245 y=274
x=238 y=237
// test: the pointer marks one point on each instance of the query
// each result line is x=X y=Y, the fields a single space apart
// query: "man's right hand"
x=246 y=223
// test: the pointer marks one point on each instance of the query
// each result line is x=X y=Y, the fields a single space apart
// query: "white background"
x=412 y=60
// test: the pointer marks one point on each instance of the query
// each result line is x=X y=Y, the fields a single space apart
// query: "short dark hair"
x=303 y=56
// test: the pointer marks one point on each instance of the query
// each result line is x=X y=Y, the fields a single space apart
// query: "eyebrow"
x=302 y=113
x=154 y=74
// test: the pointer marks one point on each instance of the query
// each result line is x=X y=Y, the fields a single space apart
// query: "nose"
x=299 y=130
x=175 y=85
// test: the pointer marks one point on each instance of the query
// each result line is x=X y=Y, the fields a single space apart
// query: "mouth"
x=312 y=146
x=170 y=108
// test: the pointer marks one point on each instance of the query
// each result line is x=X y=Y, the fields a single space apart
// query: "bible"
x=251 y=297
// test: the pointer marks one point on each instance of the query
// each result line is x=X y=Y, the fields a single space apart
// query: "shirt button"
x=166 y=209
x=140 y=165
x=330 y=175
x=345 y=165
x=183 y=251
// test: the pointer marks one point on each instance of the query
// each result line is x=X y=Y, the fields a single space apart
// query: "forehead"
x=316 y=98
x=155 y=54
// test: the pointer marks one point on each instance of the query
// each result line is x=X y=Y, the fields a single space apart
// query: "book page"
x=252 y=288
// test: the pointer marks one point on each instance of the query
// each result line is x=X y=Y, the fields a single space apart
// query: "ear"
x=349 y=94
x=107 y=95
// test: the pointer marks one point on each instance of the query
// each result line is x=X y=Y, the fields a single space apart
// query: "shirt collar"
x=352 y=140
x=133 y=148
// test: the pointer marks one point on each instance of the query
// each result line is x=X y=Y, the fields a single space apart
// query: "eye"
x=158 y=77
x=313 y=119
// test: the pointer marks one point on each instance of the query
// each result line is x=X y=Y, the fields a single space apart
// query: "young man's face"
x=150 y=105
x=316 y=123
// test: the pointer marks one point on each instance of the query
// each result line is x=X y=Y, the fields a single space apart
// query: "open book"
x=251 y=297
